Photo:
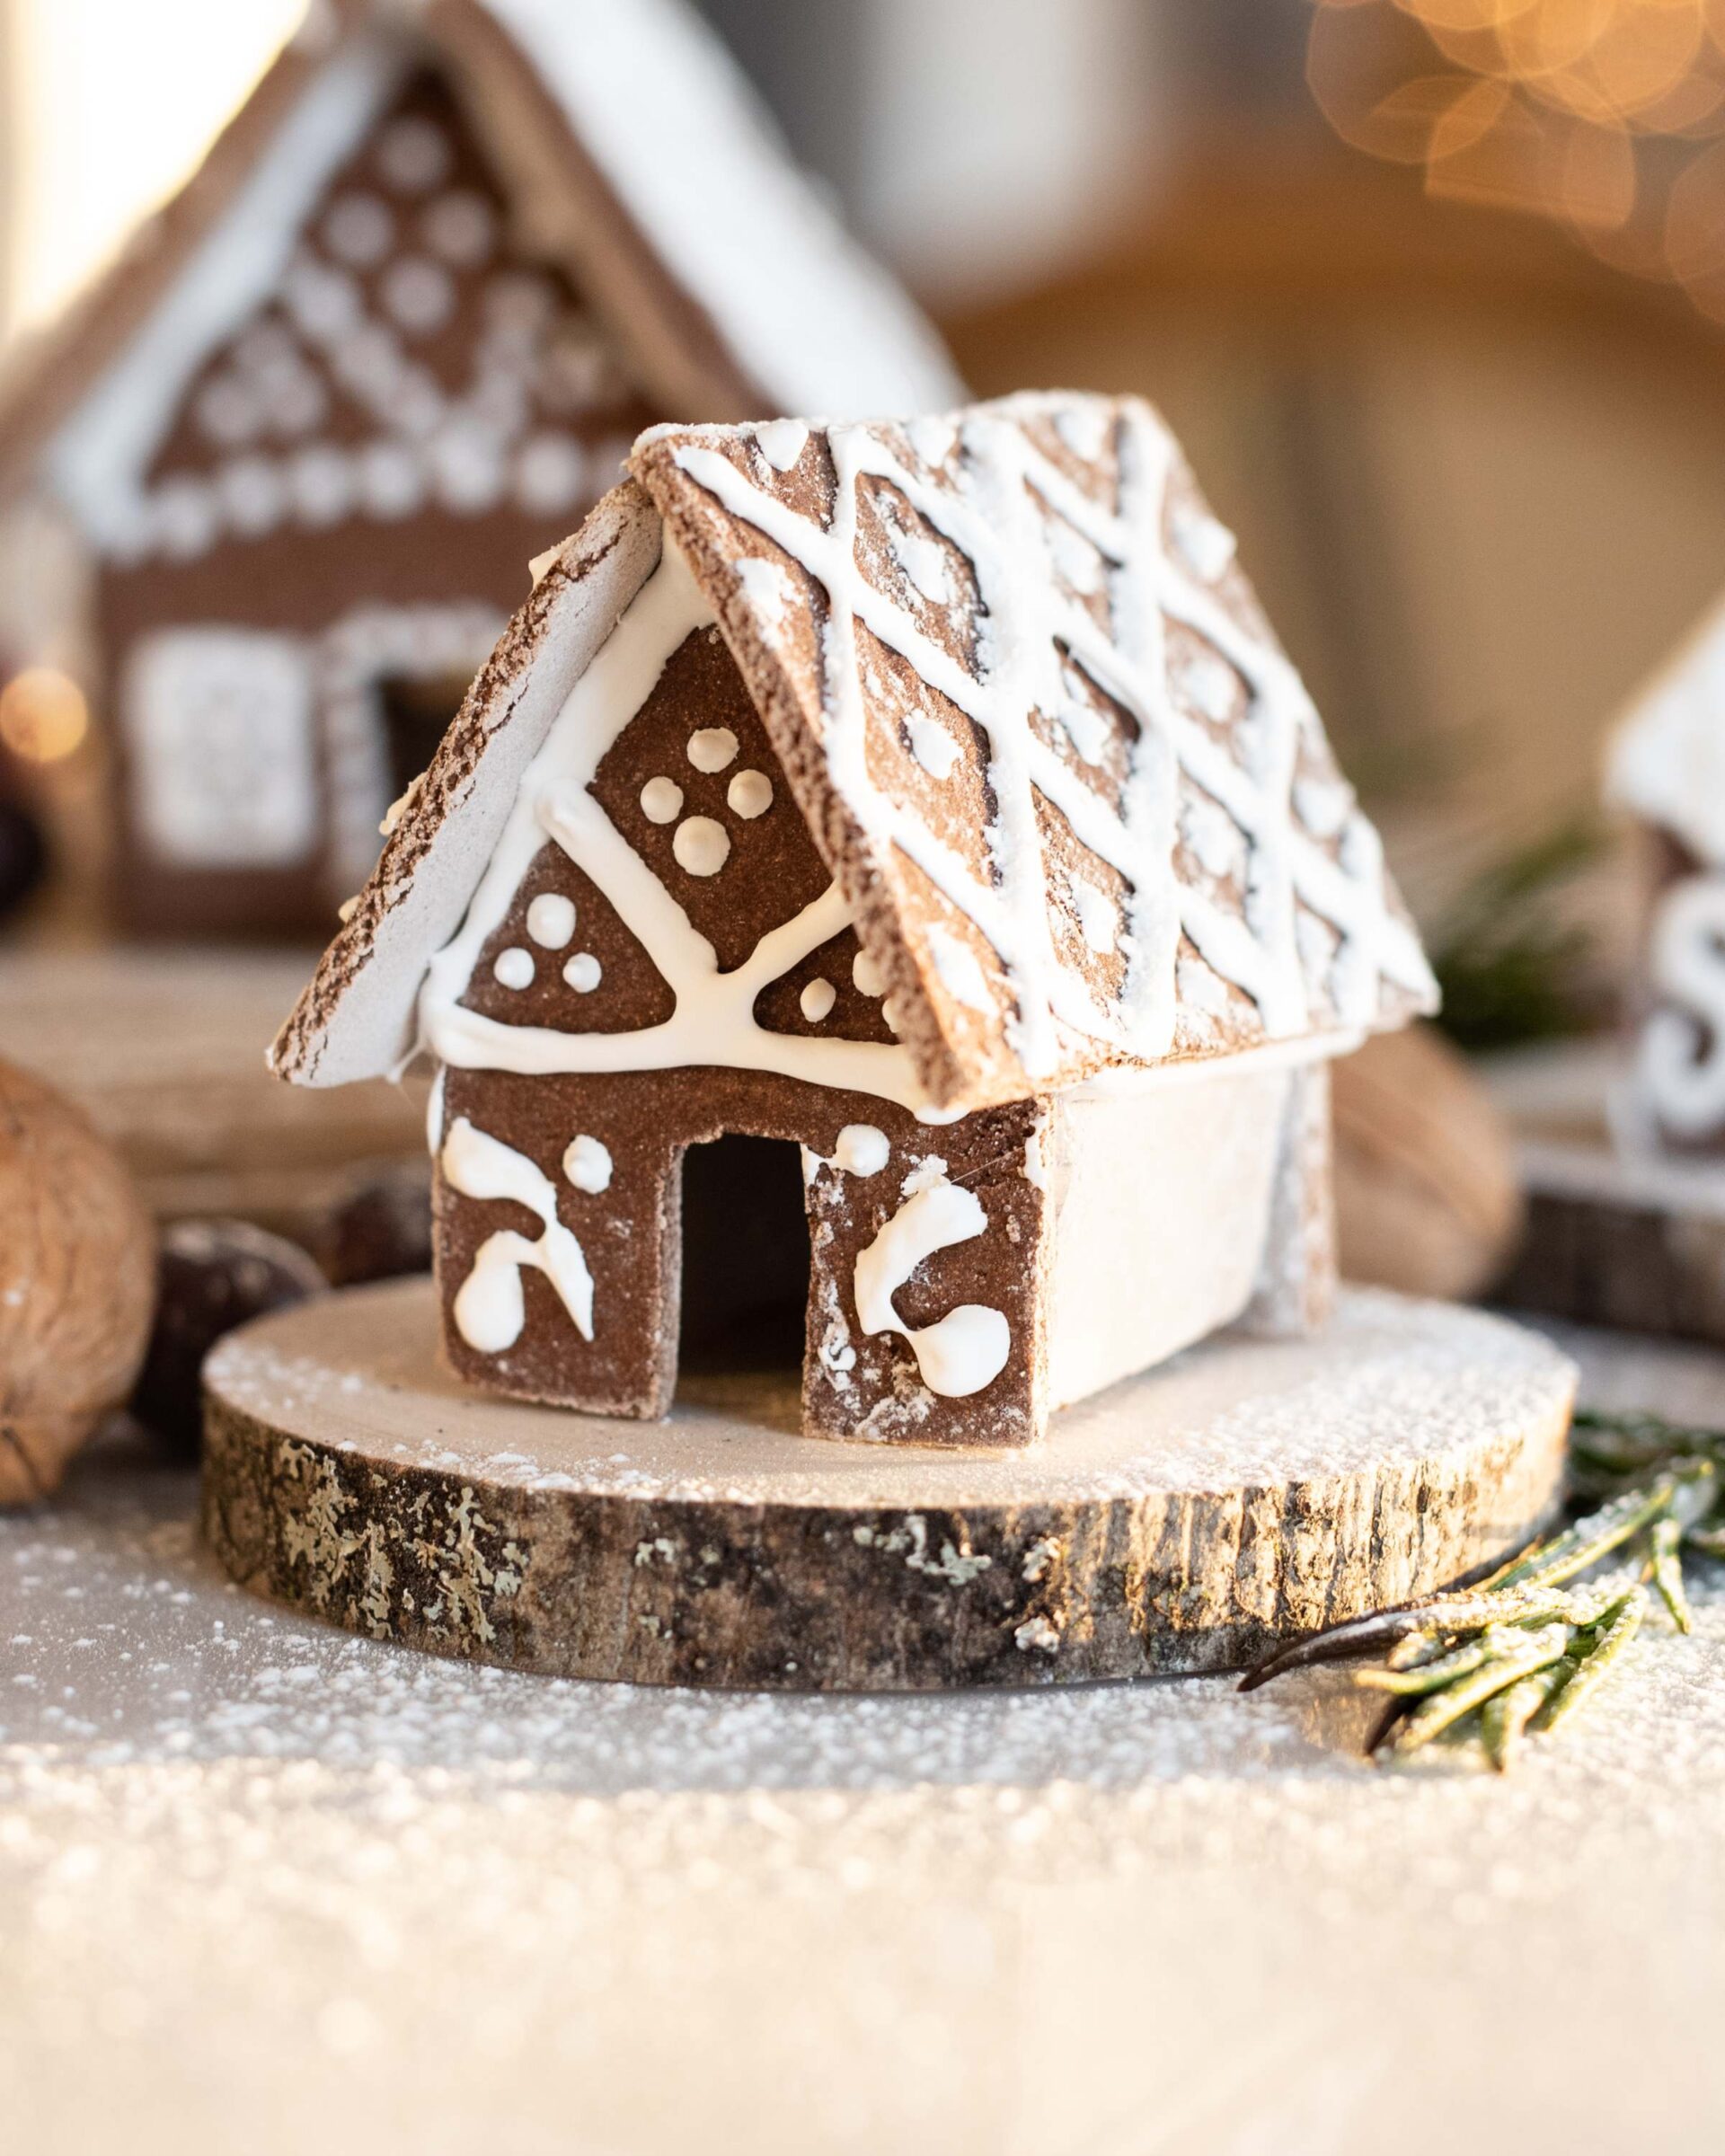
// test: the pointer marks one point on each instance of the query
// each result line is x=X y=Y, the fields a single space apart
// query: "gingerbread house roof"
x=1666 y=759
x=638 y=159
x=1079 y=810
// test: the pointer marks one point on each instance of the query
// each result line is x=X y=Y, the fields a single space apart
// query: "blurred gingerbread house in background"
x=1667 y=770
x=390 y=342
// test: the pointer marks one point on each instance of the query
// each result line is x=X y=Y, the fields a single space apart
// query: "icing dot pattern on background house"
x=395 y=339
x=1057 y=1075
x=1667 y=768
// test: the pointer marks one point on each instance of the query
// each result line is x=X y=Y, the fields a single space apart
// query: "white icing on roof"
x=1666 y=762
x=994 y=507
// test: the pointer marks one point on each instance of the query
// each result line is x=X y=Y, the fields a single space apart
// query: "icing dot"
x=662 y=801
x=712 y=747
x=550 y=920
x=325 y=303
x=228 y=413
x=514 y=968
x=414 y=155
x=893 y=1011
x=390 y=483
x=549 y=474
x=583 y=973
x=862 y=1149
x=866 y=976
x=701 y=846
x=816 y=1000
x=467 y=468
x=460 y=228
x=588 y=1165
x=252 y=493
x=418 y=294
x=750 y=794
x=186 y=516
x=321 y=484
x=360 y=229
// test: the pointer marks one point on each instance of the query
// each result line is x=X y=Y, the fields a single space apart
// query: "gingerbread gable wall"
x=694 y=786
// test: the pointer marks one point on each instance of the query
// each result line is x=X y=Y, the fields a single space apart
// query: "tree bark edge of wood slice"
x=1189 y=1520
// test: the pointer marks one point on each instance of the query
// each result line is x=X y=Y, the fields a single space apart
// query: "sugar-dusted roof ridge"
x=1078 y=804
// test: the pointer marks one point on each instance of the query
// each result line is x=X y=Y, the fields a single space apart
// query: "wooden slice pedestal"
x=1185 y=1520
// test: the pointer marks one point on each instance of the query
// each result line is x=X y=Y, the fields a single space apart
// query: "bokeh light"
x=43 y=715
x=1606 y=115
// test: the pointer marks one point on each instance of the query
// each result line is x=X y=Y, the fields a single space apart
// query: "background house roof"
x=642 y=163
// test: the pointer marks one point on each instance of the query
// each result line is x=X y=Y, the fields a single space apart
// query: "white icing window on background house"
x=220 y=730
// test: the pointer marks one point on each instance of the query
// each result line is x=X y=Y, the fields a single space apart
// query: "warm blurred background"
x=1434 y=290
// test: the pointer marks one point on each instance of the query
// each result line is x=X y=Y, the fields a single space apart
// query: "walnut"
x=77 y=1282
x=1427 y=1196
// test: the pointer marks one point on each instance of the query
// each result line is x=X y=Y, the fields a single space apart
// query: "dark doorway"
x=745 y=1256
x=417 y=710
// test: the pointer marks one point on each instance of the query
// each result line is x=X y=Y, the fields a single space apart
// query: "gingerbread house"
x=933 y=799
x=1666 y=769
x=395 y=339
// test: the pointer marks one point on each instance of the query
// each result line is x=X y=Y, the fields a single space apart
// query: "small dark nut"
x=213 y=1276
x=382 y=1228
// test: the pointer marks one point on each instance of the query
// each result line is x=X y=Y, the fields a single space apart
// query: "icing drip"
x=931 y=745
x=963 y=1351
x=489 y=1308
x=782 y=443
x=550 y=920
x=587 y=1165
x=1680 y=1064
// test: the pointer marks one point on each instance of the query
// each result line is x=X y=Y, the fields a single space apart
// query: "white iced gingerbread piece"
x=1667 y=768
x=1047 y=1006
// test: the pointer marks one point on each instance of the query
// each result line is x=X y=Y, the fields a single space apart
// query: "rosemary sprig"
x=1516 y=1656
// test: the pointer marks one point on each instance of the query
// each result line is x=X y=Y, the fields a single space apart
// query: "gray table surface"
x=265 y=1886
